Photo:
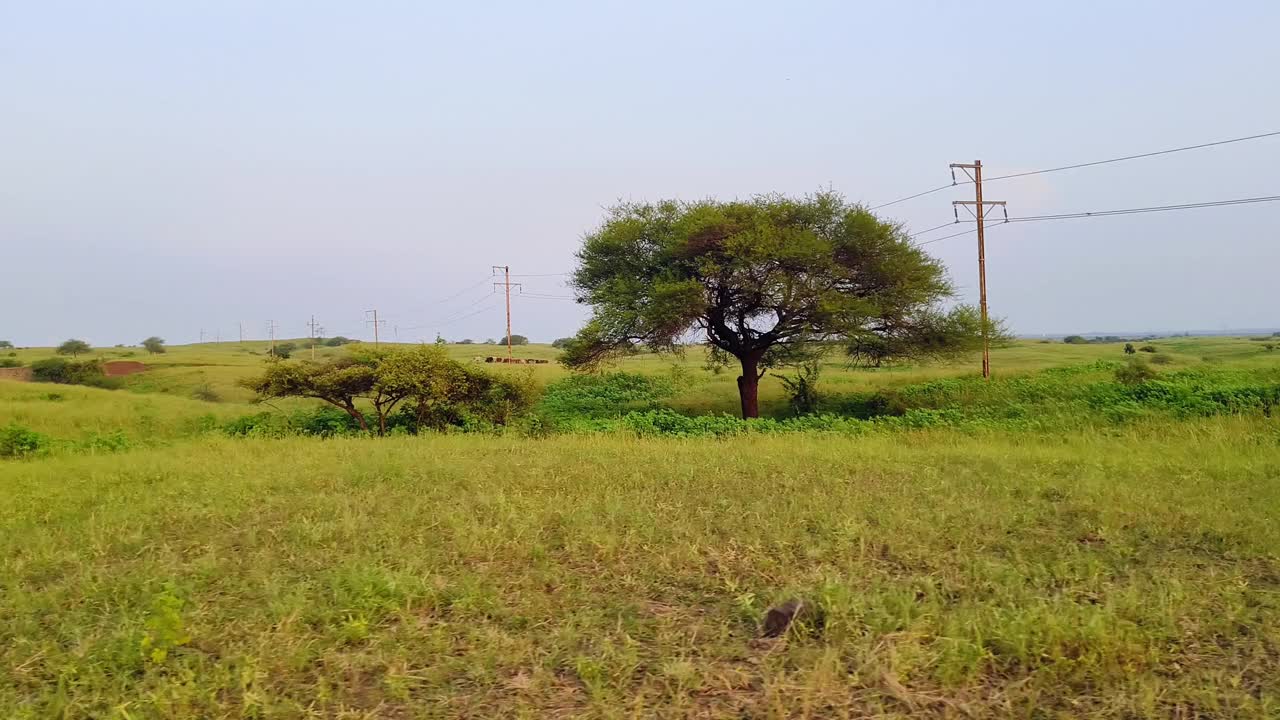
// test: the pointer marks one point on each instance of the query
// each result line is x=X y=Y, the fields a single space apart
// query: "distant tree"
x=1128 y=349
x=1148 y=349
x=440 y=340
x=282 y=351
x=73 y=348
x=154 y=345
x=466 y=341
x=6 y=344
x=338 y=341
x=490 y=341
x=770 y=281
x=515 y=340
x=440 y=391
x=1075 y=340
x=561 y=343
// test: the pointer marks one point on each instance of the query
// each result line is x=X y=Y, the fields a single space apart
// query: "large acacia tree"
x=768 y=281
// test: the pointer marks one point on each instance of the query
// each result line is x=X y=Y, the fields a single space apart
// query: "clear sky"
x=172 y=166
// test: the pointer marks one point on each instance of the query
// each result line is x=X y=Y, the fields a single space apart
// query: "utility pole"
x=978 y=208
x=506 y=283
x=201 y=336
x=271 y=332
x=217 y=339
x=312 y=325
x=375 y=322
x=241 y=332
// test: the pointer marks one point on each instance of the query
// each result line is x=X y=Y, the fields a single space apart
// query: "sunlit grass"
x=1092 y=575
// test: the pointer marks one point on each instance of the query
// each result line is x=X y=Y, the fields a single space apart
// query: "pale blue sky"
x=171 y=166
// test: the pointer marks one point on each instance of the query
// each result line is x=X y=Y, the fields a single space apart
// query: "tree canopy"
x=440 y=391
x=515 y=340
x=73 y=348
x=768 y=281
x=154 y=345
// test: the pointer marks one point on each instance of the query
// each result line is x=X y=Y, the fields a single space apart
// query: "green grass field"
x=1125 y=567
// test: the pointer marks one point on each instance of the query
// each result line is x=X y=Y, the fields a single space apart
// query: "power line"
x=1081 y=165
x=1106 y=213
x=1156 y=208
x=545 y=295
x=936 y=227
x=450 y=317
x=912 y=197
x=563 y=274
x=1134 y=157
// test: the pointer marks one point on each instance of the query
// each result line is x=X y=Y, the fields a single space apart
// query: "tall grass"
x=1095 y=575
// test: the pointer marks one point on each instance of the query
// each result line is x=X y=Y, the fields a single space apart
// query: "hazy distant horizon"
x=173 y=167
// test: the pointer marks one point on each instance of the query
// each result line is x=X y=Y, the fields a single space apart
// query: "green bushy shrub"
x=603 y=395
x=17 y=441
x=1135 y=372
x=70 y=372
x=802 y=389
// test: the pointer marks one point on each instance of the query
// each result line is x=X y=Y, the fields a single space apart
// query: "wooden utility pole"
x=506 y=283
x=375 y=322
x=978 y=208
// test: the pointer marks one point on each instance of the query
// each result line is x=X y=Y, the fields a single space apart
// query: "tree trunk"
x=749 y=387
x=356 y=415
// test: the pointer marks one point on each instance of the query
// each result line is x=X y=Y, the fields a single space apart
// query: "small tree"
x=440 y=340
x=561 y=343
x=73 y=348
x=337 y=341
x=1075 y=340
x=282 y=351
x=466 y=341
x=802 y=390
x=440 y=390
x=1128 y=349
x=6 y=344
x=339 y=382
x=154 y=345
x=768 y=282
x=515 y=340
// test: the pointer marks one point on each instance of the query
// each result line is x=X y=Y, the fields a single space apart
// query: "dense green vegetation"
x=1063 y=541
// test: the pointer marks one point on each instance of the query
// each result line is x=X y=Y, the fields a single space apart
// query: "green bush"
x=1149 y=349
x=282 y=350
x=17 y=441
x=10 y=363
x=69 y=372
x=1135 y=372
x=603 y=395
x=802 y=390
x=1075 y=340
x=1161 y=360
